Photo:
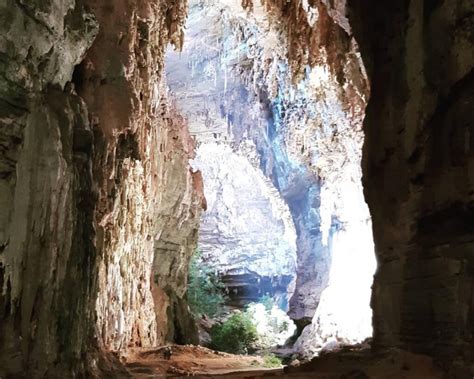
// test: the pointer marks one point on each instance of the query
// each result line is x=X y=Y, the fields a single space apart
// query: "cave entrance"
x=280 y=155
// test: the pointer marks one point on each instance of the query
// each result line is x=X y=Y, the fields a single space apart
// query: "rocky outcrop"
x=99 y=207
x=418 y=159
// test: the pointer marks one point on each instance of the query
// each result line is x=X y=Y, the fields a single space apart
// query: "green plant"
x=205 y=289
x=271 y=361
x=236 y=335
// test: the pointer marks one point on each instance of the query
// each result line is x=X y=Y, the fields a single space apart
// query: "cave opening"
x=279 y=152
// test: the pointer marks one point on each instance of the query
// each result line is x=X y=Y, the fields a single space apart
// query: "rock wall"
x=248 y=87
x=318 y=107
x=418 y=171
x=246 y=234
x=148 y=206
x=310 y=87
x=99 y=210
x=46 y=199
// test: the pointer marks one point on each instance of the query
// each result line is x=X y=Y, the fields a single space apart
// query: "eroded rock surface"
x=149 y=201
x=46 y=196
x=99 y=210
x=246 y=233
x=306 y=125
x=78 y=185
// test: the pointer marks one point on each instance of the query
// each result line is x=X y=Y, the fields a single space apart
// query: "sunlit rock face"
x=246 y=233
x=222 y=103
x=299 y=94
x=318 y=106
x=343 y=316
x=149 y=201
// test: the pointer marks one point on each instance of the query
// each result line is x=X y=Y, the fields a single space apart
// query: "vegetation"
x=205 y=290
x=236 y=335
x=271 y=361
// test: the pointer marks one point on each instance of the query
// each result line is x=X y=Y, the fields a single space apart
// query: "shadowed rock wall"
x=47 y=255
x=418 y=171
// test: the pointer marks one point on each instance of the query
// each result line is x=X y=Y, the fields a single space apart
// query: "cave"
x=285 y=215
x=317 y=152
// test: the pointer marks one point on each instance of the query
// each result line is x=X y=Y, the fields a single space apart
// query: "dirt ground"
x=189 y=360
x=199 y=362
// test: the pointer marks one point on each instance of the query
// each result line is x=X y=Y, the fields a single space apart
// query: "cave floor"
x=194 y=361
x=198 y=361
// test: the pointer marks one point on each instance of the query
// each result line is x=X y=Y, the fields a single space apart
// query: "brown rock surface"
x=98 y=205
x=418 y=171
x=149 y=204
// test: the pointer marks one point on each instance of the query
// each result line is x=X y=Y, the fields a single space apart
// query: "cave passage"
x=284 y=221
x=132 y=189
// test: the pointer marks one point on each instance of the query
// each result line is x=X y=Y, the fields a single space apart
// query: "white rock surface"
x=247 y=227
x=274 y=327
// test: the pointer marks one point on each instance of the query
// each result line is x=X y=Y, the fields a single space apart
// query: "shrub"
x=271 y=361
x=205 y=290
x=236 y=335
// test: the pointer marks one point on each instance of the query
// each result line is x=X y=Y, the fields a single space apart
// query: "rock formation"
x=418 y=159
x=246 y=233
x=99 y=208
x=47 y=258
x=148 y=201
x=306 y=130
